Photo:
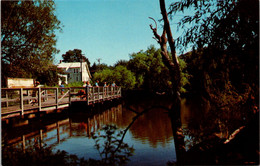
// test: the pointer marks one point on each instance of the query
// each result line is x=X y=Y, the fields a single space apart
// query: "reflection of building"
x=75 y=72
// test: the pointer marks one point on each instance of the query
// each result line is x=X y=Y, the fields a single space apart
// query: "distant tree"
x=51 y=76
x=120 y=74
x=27 y=37
x=151 y=73
x=121 y=62
x=75 y=56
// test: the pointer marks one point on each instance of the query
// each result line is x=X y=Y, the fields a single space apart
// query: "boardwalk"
x=20 y=101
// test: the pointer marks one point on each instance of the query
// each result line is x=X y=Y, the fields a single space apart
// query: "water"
x=150 y=134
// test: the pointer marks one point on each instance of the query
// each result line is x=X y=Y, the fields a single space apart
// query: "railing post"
x=103 y=94
x=93 y=94
x=56 y=97
x=39 y=99
x=21 y=101
x=98 y=93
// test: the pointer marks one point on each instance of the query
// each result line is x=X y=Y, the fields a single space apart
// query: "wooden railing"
x=19 y=100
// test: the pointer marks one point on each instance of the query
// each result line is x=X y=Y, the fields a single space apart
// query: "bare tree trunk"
x=173 y=65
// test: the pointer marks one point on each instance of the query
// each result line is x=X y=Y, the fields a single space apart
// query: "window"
x=76 y=70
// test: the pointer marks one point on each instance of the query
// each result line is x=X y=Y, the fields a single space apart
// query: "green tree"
x=120 y=74
x=75 y=56
x=151 y=73
x=121 y=62
x=27 y=37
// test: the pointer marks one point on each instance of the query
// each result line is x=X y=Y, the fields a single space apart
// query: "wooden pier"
x=21 y=101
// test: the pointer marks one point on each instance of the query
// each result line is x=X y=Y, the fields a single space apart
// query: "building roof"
x=70 y=64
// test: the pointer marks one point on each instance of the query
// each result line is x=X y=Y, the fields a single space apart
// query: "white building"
x=75 y=72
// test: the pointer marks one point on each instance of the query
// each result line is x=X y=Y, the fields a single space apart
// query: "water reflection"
x=150 y=134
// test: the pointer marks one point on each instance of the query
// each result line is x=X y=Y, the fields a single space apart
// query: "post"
x=56 y=97
x=39 y=99
x=23 y=143
x=70 y=96
x=92 y=92
x=41 y=139
x=6 y=95
x=98 y=93
x=21 y=101
x=87 y=94
x=103 y=94
x=58 y=132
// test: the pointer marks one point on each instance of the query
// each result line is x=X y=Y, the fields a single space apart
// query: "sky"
x=109 y=30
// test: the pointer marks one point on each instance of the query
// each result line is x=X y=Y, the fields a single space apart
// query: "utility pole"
x=99 y=59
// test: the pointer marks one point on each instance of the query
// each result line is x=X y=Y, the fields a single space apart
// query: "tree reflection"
x=112 y=150
x=34 y=154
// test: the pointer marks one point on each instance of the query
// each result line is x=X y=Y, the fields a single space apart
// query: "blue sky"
x=106 y=29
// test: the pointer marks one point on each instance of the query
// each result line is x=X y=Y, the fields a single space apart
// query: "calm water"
x=150 y=134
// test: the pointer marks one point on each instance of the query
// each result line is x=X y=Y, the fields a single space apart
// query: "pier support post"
x=87 y=95
x=21 y=101
x=39 y=99
x=41 y=139
x=23 y=143
x=58 y=132
x=56 y=97
x=6 y=96
x=69 y=96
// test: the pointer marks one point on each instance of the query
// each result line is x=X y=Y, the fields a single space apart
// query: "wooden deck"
x=21 y=101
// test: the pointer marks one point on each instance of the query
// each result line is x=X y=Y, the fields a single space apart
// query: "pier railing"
x=22 y=100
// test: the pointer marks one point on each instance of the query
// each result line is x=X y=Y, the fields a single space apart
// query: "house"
x=74 y=72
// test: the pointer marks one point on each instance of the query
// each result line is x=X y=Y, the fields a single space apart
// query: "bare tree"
x=171 y=61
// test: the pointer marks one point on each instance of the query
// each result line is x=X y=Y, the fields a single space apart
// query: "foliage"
x=223 y=24
x=98 y=67
x=113 y=151
x=185 y=76
x=27 y=37
x=75 y=84
x=151 y=73
x=224 y=68
x=75 y=56
x=120 y=74
x=36 y=155
x=121 y=63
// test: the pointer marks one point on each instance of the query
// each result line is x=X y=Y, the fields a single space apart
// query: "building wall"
x=85 y=75
x=74 y=74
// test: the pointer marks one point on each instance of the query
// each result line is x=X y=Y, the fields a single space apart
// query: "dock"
x=21 y=101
